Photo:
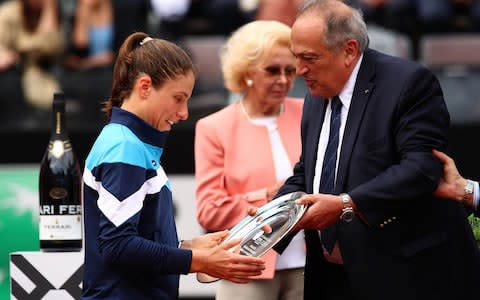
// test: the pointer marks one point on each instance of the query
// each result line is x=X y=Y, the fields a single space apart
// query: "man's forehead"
x=303 y=31
x=305 y=45
x=310 y=19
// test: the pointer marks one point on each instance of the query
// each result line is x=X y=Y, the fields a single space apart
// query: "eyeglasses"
x=274 y=71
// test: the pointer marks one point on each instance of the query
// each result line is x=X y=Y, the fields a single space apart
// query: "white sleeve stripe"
x=120 y=211
x=89 y=179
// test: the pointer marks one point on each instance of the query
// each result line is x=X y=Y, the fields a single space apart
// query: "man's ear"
x=144 y=86
x=351 y=52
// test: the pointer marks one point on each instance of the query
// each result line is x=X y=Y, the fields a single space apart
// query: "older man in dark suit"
x=374 y=228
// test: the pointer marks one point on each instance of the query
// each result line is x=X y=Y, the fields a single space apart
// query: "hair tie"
x=146 y=39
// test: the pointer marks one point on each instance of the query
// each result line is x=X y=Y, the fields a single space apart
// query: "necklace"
x=244 y=110
x=270 y=122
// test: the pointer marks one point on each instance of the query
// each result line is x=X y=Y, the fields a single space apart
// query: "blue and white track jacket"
x=130 y=235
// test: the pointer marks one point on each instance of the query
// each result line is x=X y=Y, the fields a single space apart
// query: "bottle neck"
x=59 y=128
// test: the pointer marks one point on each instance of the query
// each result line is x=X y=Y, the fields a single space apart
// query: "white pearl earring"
x=249 y=82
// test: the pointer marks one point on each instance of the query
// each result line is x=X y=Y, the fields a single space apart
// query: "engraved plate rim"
x=248 y=225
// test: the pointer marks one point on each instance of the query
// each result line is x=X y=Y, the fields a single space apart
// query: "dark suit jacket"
x=410 y=244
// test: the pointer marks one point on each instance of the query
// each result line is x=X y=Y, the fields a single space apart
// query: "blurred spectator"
x=96 y=28
x=448 y=15
x=417 y=17
x=130 y=16
x=390 y=21
x=90 y=56
x=171 y=15
x=397 y=15
x=31 y=41
x=199 y=17
x=170 y=10
x=284 y=11
x=92 y=35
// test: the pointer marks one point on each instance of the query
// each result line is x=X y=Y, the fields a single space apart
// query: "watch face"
x=347 y=215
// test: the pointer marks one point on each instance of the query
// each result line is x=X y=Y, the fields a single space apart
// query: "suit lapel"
x=361 y=94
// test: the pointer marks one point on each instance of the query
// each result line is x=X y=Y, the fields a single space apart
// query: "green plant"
x=475 y=223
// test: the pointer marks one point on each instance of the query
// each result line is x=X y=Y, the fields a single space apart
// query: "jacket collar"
x=139 y=127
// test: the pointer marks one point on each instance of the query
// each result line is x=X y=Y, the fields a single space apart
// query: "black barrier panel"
x=27 y=146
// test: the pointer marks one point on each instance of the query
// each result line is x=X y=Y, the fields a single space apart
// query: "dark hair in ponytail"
x=140 y=54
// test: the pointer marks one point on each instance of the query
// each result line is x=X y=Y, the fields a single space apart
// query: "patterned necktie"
x=327 y=179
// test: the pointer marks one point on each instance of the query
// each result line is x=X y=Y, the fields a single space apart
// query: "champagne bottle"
x=60 y=188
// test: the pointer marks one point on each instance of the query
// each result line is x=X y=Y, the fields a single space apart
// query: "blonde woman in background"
x=244 y=152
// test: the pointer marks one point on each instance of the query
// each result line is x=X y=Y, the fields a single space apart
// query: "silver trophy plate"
x=261 y=232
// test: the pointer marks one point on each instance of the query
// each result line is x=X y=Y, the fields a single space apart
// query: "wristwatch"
x=468 y=190
x=347 y=212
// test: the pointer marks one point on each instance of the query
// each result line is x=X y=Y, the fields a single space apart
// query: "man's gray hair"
x=339 y=26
